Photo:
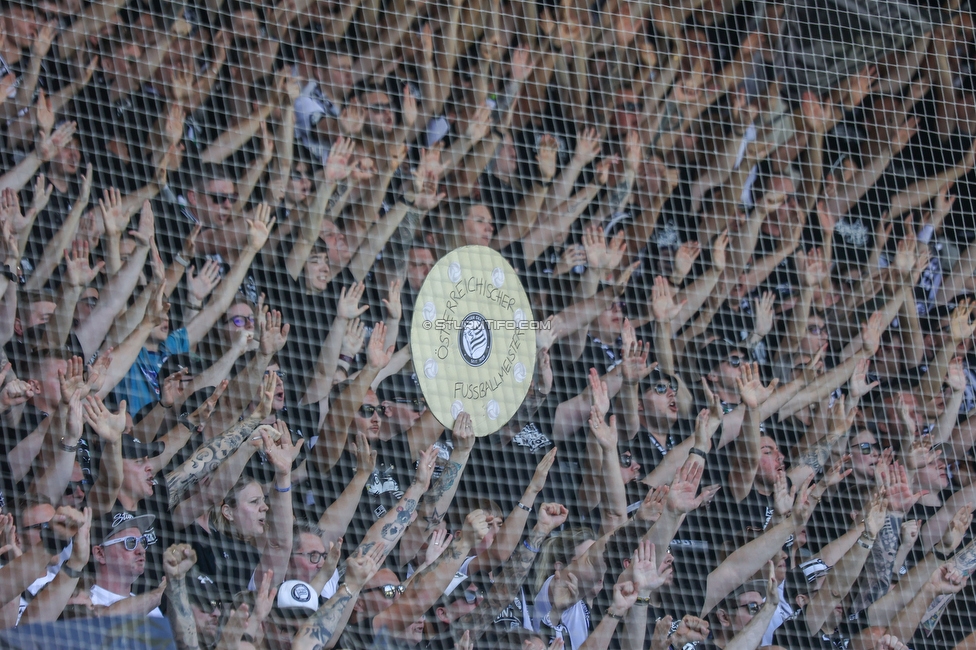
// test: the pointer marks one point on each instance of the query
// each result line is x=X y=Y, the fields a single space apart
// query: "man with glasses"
x=120 y=560
x=402 y=402
x=378 y=595
x=206 y=605
x=736 y=612
x=210 y=202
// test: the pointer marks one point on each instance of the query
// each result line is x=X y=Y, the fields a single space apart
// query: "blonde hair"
x=215 y=515
x=559 y=548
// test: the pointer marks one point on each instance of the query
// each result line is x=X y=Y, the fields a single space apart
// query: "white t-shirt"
x=331 y=587
x=575 y=621
x=782 y=613
x=100 y=596
x=37 y=585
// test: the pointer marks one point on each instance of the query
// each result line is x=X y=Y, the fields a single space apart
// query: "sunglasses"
x=389 y=591
x=735 y=362
x=866 y=448
x=281 y=374
x=44 y=525
x=208 y=605
x=129 y=542
x=626 y=460
x=473 y=596
x=662 y=387
x=219 y=197
x=84 y=485
x=753 y=608
x=367 y=410
x=378 y=108
x=240 y=321
x=816 y=330
x=313 y=556
x=418 y=405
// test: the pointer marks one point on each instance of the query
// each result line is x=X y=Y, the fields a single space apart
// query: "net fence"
x=490 y=324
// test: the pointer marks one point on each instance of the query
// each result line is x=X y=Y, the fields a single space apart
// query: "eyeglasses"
x=313 y=556
x=241 y=321
x=378 y=108
x=473 y=596
x=753 y=608
x=626 y=460
x=281 y=373
x=367 y=410
x=84 y=485
x=418 y=405
x=866 y=448
x=219 y=197
x=129 y=542
x=44 y=525
x=389 y=591
x=662 y=387
x=816 y=330
x=735 y=362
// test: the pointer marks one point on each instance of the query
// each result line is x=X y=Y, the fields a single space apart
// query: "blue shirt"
x=140 y=386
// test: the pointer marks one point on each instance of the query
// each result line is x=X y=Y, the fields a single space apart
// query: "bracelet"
x=526 y=544
x=68 y=448
x=643 y=602
x=698 y=452
x=282 y=490
x=524 y=507
x=71 y=573
x=182 y=261
x=348 y=591
x=865 y=543
x=346 y=358
x=615 y=617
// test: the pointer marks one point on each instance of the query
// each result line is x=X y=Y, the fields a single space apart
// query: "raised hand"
x=200 y=285
x=475 y=527
x=546 y=156
x=961 y=323
x=113 y=213
x=947 y=579
x=283 y=452
x=652 y=506
x=337 y=167
x=72 y=379
x=353 y=339
x=259 y=227
x=663 y=307
x=109 y=426
x=719 y=247
x=394 y=310
x=875 y=514
x=684 y=259
x=957 y=529
x=683 y=494
x=377 y=354
x=463 y=433
x=750 y=387
x=363 y=565
x=691 y=629
x=599 y=394
x=588 y=145
x=178 y=560
x=605 y=434
x=624 y=597
x=438 y=542
x=365 y=457
x=348 y=306
x=77 y=269
x=551 y=516
x=647 y=575
x=274 y=334
x=425 y=467
x=763 y=310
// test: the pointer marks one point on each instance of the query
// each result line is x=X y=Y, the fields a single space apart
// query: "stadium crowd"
x=748 y=421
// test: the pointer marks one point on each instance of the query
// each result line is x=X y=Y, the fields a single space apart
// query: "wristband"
x=698 y=452
x=526 y=544
x=865 y=543
x=348 y=591
x=524 y=507
x=68 y=448
x=939 y=555
x=282 y=490
x=68 y=571
x=182 y=261
x=346 y=358
x=9 y=274
x=643 y=602
x=615 y=617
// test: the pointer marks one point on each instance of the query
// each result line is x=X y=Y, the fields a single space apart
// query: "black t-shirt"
x=229 y=561
x=793 y=635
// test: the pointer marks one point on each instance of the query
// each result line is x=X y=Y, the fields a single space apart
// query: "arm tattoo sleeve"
x=879 y=565
x=207 y=458
x=181 y=616
x=321 y=627
x=511 y=578
x=428 y=504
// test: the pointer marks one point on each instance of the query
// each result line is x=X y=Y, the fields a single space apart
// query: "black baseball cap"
x=133 y=448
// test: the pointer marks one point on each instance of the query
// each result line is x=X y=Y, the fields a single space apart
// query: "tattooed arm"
x=323 y=628
x=513 y=574
x=879 y=565
x=430 y=582
x=178 y=560
x=207 y=458
x=433 y=506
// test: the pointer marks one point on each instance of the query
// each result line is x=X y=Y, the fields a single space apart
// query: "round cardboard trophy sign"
x=472 y=339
